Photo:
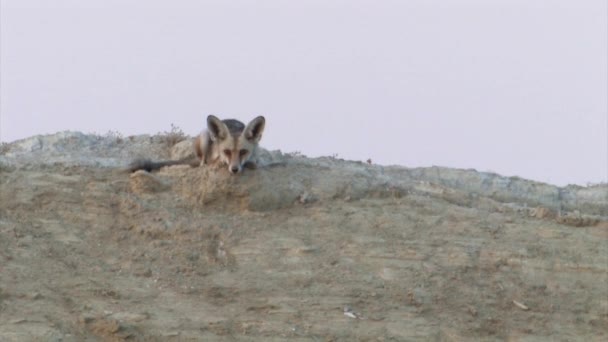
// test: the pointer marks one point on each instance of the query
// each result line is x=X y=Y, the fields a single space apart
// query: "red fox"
x=228 y=142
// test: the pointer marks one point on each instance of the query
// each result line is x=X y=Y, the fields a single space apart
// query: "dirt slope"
x=300 y=249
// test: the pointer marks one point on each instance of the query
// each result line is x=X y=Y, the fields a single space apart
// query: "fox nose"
x=234 y=169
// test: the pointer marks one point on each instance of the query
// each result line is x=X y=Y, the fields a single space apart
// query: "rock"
x=576 y=219
x=35 y=296
x=542 y=213
x=129 y=316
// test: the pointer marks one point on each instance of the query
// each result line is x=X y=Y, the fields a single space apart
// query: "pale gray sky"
x=517 y=87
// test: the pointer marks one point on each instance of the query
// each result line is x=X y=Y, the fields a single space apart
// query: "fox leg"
x=201 y=147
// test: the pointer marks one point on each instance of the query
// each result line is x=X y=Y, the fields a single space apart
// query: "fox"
x=226 y=142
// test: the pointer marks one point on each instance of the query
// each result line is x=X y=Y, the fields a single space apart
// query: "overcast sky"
x=517 y=87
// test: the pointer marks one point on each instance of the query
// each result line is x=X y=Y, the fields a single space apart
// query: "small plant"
x=114 y=135
x=294 y=154
x=174 y=136
x=4 y=147
x=594 y=184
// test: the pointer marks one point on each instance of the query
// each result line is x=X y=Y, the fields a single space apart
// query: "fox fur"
x=225 y=142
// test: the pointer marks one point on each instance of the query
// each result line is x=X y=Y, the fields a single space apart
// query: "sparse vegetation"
x=172 y=137
x=295 y=154
x=4 y=147
x=116 y=135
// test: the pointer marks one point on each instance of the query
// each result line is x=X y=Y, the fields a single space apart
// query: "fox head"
x=235 y=143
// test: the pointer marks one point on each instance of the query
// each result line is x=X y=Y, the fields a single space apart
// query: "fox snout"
x=235 y=159
x=235 y=168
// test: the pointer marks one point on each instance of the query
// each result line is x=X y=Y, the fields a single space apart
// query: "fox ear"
x=253 y=131
x=217 y=129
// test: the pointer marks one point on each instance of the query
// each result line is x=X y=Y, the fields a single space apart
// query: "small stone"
x=542 y=213
x=145 y=273
x=130 y=317
x=85 y=319
x=306 y=198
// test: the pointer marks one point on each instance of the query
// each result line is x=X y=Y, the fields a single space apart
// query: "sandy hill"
x=300 y=249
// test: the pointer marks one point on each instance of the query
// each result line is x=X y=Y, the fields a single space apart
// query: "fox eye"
x=227 y=152
x=243 y=152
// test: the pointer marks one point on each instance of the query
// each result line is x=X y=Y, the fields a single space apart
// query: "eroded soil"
x=88 y=254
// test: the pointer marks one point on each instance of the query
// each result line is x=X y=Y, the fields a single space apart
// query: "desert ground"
x=299 y=249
